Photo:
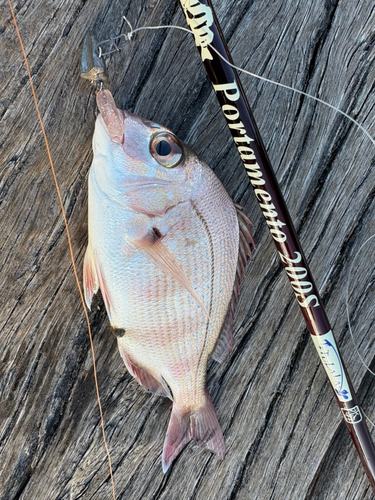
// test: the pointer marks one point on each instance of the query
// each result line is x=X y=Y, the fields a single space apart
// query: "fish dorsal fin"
x=224 y=342
x=148 y=381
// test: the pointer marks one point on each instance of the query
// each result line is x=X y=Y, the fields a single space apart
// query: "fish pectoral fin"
x=143 y=377
x=90 y=277
x=200 y=424
x=154 y=250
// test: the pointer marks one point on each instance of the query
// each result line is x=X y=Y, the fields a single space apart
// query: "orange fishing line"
x=69 y=244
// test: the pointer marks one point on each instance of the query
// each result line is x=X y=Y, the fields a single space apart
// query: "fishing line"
x=128 y=37
x=69 y=244
x=348 y=314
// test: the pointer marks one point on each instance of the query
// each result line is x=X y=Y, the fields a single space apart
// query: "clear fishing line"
x=348 y=315
x=129 y=36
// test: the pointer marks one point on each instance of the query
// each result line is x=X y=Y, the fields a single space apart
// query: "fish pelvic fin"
x=93 y=280
x=90 y=277
x=200 y=424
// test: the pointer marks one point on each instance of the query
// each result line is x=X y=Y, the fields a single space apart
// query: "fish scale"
x=169 y=323
x=164 y=242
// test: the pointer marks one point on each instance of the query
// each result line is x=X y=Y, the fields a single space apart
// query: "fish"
x=167 y=247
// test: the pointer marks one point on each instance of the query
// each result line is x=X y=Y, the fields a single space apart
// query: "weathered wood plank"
x=284 y=434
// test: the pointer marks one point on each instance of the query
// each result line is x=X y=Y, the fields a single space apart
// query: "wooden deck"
x=284 y=434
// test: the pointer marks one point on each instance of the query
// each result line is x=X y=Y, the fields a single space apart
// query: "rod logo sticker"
x=327 y=349
x=352 y=415
x=199 y=18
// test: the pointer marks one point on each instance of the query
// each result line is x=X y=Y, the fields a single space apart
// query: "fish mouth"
x=111 y=118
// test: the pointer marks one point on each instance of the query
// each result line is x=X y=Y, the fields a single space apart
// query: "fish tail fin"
x=178 y=436
x=200 y=424
x=206 y=429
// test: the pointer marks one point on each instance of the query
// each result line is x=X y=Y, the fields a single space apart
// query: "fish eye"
x=163 y=148
x=166 y=150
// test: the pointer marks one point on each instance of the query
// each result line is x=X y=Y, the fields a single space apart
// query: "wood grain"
x=284 y=434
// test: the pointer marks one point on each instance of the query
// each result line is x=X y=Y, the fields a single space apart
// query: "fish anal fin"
x=90 y=277
x=155 y=251
x=224 y=342
x=200 y=424
x=144 y=378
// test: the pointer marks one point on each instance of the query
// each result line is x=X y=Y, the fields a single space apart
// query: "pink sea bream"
x=167 y=248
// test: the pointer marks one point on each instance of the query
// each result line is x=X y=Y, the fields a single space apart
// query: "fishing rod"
x=202 y=20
